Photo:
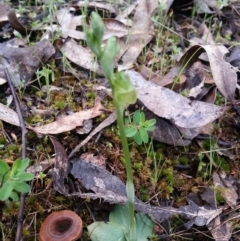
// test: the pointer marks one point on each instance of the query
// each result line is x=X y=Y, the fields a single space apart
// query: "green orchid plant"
x=123 y=93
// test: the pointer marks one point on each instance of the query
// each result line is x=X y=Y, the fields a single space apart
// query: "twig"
x=24 y=132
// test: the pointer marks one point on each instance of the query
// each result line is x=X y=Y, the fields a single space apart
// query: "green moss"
x=183 y=160
x=144 y=193
x=11 y=148
x=60 y=104
x=36 y=119
x=91 y=95
x=40 y=94
x=2 y=140
x=138 y=166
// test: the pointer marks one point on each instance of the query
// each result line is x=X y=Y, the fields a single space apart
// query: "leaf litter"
x=180 y=118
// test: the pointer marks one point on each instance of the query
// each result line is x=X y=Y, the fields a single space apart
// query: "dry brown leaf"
x=61 y=159
x=81 y=56
x=141 y=32
x=225 y=188
x=4 y=9
x=67 y=32
x=209 y=94
x=166 y=132
x=112 y=28
x=42 y=166
x=223 y=73
x=172 y=106
x=203 y=6
x=64 y=18
x=70 y=122
x=98 y=160
x=108 y=121
x=126 y=12
x=8 y=115
x=68 y=23
x=15 y=24
x=96 y=5
x=206 y=36
x=115 y=28
x=190 y=133
x=25 y=61
x=168 y=78
x=219 y=230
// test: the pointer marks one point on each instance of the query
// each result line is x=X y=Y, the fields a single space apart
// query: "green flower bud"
x=123 y=90
x=97 y=26
x=107 y=59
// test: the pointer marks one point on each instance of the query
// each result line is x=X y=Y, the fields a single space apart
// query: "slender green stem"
x=123 y=93
x=129 y=186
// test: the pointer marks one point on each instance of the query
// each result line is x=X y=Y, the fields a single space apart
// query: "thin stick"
x=24 y=132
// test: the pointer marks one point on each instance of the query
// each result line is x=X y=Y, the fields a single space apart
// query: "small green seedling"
x=118 y=227
x=17 y=34
x=14 y=179
x=48 y=74
x=138 y=127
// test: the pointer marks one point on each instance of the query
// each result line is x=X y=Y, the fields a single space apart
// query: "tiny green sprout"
x=14 y=179
x=138 y=127
x=17 y=34
x=41 y=176
x=47 y=74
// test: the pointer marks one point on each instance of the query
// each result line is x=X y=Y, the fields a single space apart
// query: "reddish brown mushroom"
x=61 y=226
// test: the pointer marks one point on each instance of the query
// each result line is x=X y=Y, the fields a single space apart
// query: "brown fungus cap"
x=61 y=226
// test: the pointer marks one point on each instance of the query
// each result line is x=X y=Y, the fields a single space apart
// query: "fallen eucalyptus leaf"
x=172 y=106
x=8 y=115
x=224 y=74
x=70 y=122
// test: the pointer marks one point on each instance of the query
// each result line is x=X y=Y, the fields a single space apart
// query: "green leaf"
x=14 y=196
x=150 y=122
x=149 y=128
x=4 y=168
x=136 y=117
x=117 y=229
x=20 y=165
x=120 y=215
x=6 y=190
x=130 y=131
x=107 y=59
x=142 y=118
x=24 y=176
x=101 y=231
x=17 y=34
x=144 y=226
x=123 y=91
x=149 y=125
x=21 y=187
x=16 y=166
x=138 y=138
x=127 y=121
x=144 y=135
